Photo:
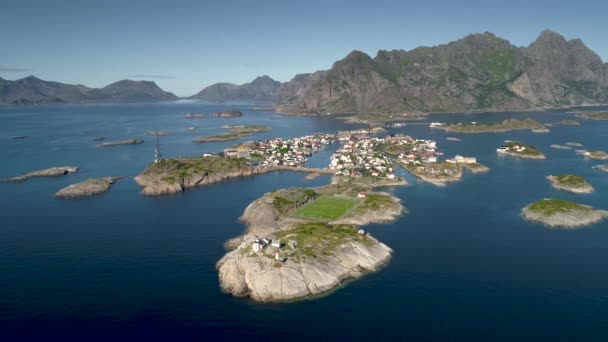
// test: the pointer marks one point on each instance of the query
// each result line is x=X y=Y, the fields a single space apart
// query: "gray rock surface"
x=87 y=188
x=567 y=220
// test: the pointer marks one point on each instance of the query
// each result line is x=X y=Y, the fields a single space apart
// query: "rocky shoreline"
x=88 y=188
x=602 y=167
x=303 y=270
x=50 y=172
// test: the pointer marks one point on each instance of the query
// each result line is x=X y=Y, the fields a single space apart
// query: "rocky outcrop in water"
x=228 y=114
x=122 y=142
x=50 y=172
x=88 y=188
x=570 y=183
x=556 y=213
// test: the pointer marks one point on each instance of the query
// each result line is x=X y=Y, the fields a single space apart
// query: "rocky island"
x=560 y=147
x=602 y=167
x=50 y=172
x=493 y=127
x=228 y=114
x=442 y=173
x=557 y=213
x=237 y=132
x=569 y=123
x=87 y=188
x=571 y=183
x=517 y=149
x=194 y=115
x=122 y=142
x=302 y=243
x=594 y=154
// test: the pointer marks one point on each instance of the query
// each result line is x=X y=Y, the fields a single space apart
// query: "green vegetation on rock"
x=318 y=239
x=173 y=170
x=571 y=180
x=501 y=126
x=327 y=207
x=550 y=207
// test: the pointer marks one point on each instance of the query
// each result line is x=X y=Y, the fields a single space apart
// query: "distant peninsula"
x=34 y=91
x=494 y=127
x=237 y=131
x=591 y=115
x=558 y=213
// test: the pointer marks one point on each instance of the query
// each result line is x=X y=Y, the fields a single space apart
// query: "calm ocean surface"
x=123 y=266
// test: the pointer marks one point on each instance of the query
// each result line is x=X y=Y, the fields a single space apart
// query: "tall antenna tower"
x=157 y=155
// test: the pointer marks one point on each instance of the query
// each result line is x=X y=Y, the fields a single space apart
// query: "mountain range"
x=477 y=72
x=31 y=90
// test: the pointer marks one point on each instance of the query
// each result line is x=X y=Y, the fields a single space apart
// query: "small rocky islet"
x=564 y=214
x=88 y=188
x=122 y=142
x=593 y=154
x=571 y=183
x=236 y=132
x=228 y=114
x=518 y=149
x=50 y=172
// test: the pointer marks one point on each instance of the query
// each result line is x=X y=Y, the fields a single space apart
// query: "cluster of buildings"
x=282 y=152
x=360 y=156
x=259 y=244
x=418 y=151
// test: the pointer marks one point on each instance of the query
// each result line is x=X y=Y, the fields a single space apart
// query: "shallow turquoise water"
x=121 y=265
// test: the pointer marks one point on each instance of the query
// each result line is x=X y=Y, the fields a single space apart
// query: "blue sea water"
x=124 y=266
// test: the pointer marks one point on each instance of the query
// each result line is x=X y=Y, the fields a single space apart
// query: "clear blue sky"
x=186 y=45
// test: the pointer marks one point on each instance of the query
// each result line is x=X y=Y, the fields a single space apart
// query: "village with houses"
x=362 y=153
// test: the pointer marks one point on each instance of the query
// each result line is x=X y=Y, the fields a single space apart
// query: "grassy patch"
x=318 y=239
x=327 y=207
x=571 y=180
x=173 y=170
x=554 y=206
x=288 y=199
x=529 y=149
x=373 y=202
